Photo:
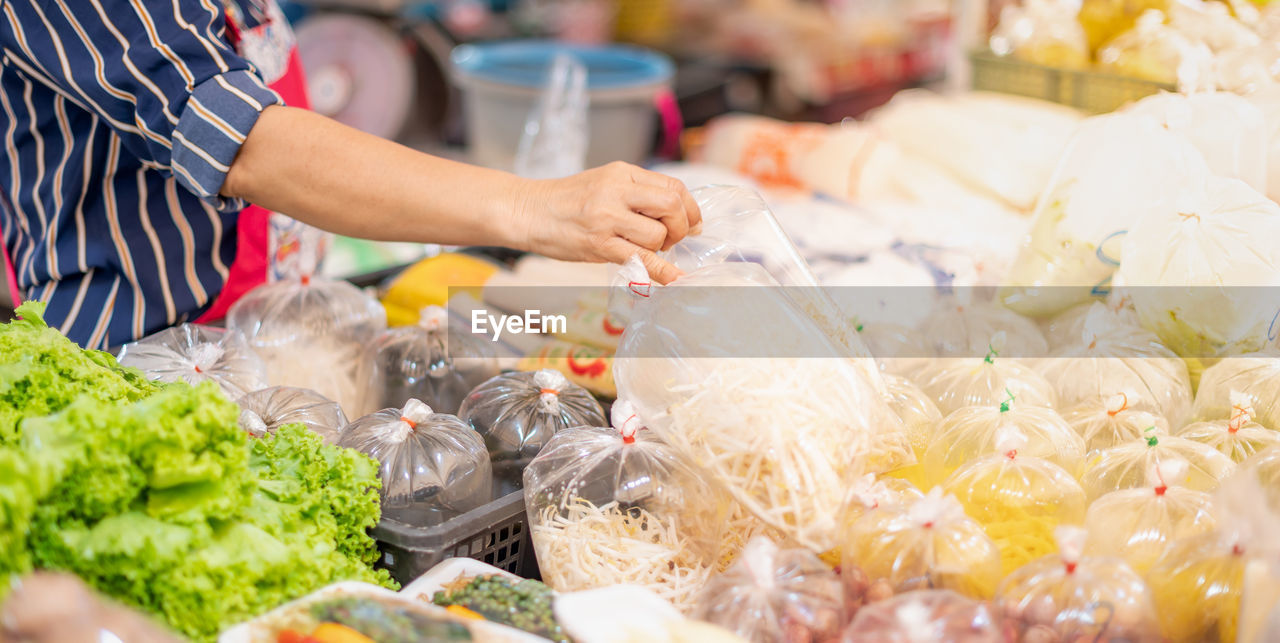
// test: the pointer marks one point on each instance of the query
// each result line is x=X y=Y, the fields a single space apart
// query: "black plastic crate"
x=496 y=533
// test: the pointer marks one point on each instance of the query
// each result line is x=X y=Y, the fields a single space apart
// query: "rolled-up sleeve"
x=159 y=72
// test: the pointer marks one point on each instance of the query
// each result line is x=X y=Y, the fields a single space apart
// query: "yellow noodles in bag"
x=1125 y=466
x=1112 y=420
x=971 y=433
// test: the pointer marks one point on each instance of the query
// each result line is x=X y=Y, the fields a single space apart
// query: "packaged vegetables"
x=972 y=433
x=1238 y=437
x=267 y=410
x=924 y=615
x=1112 y=420
x=194 y=354
x=984 y=381
x=1256 y=375
x=427 y=362
x=1126 y=466
x=517 y=414
x=523 y=604
x=433 y=466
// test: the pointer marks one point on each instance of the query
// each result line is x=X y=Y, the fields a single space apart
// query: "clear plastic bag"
x=1202 y=275
x=775 y=595
x=1044 y=32
x=1157 y=52
x=1126 y=466
x=426 y=362
x=971 y=433
x=928 y=544
x=554 y=140
x=194 y=354
x=1105 y=422
x=1071 y=597
x=616 y=505
x=1257 y=375
x=1017 y=499
x=923 y=617
x=433 y=466
x=920 y=418
x=263 y=411
x=1117 y=167
x=869 y=493
x=1139 y=525
x=518 y=413
x=1211 y=23
x=314 y=334
x=1265 y=468
x=1112 y=358
x=1237 y=437
x=1067 y=328
x=898 y=350
x=785 y=435
x=961 y=382
x=1227 y=129
x=967 y=329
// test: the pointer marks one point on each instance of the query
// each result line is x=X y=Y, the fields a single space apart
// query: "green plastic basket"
x=1090 y=91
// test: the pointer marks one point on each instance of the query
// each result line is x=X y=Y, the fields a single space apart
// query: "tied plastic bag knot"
x=433 y=319
x=1009 y=440
x=870 y=492
x=1242 y=411
x=252 y=423
x=625 y=420
x=204 y=356
x=554 y=144
x=935 y=508
x=1119 y=402
x=415 y=412
x=1168 y=472
x=549 y=384
x=759 y=556
x=1070 y=541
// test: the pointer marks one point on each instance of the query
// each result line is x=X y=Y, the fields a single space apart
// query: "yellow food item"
x=458 y=610
x=427 y=283
x=1103 y=20
x=587 y=366
x=1198 y=586
x=334 y=633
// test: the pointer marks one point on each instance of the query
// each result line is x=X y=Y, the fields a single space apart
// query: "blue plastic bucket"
x=501 y=82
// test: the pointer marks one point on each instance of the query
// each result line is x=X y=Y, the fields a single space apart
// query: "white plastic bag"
x=1117 y=167
x=554 y=143
x=268 y=409
x=194 y=354
x=1203 y=274
x=1227 y=129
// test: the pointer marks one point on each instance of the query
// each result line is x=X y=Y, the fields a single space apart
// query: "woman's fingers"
x=663 y=205
x=678 y=200
x=641 y=230
x=618 y=250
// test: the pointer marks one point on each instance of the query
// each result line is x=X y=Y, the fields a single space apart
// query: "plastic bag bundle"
x=1256 y=375
x=1203 y=275
x=1139 y=525
x=898 y=350
x=518 y=413
x=1067 y=328
x=973 y=432
x=920 y=418
x=1157 y=52
x=1227 y=129
x=923 y=616
x=1018 y=499
x=612 y=506
x=967 y=330
x=785 y=435
x=1117 y=167
x=869 y=493
x=1071 y=596
x=1113 y=420
x=314 y=334
x=1125 y=466
x=928 y=544
x=1044 y=32
x=1265 y=468
x=268 y=409
x=194 y=354
x=433 y=466
x=1238 y=437
x=1109 y=359
x=958 y=383
x=774 y=595
x=426 y=362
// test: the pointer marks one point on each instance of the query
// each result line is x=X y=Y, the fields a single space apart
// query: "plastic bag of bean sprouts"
x=194 y=354
x=924 y=616
x=426 y=362
x=774 y=594
x=314 y=333
x=433 y=466
x=960 y=382
x=721 y=364
x=611 y=506
x=268 y=409
x=1111 y=420
x=518 y=413
x=1238 y=436
x=1257 y=375
x=1125 y=465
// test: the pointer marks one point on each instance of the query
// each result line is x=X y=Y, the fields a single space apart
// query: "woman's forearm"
x=346 y=181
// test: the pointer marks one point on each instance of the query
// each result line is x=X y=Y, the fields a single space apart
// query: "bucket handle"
x=672 y=122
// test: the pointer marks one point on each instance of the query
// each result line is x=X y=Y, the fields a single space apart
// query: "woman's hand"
x=607 y=214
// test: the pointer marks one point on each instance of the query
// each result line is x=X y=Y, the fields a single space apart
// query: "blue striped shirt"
x=120 y=119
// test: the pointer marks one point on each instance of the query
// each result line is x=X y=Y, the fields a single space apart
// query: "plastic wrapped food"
x=612 y=506
x=784 y=434
x=1202 y=275
x=1238 y=437
x=958 y=383
x=923 y=616
x=1018 y=499
x=1112 y=358
x=194 y=354
x=775 y=595
x=1109 y=421
x=587 y=366
x=971 y=433
x=1103 y=20
x=1211 y=23
x=266 y=410
x=1265 y=468
x=1044 y=32
x=968 y=330
x=920 y=417
x=1139 y=525
x=1072 y=597
x=314 y=334
x=518 y=413
x=1125 y=466
x=869 y=493
x=1256 y=375
x=898 y=350
x=433 y=466
x=1067 y=328
x=1227 y=129
x=928 y=544
x=426 y=362
x=1117 y=167
x=1157 y=52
